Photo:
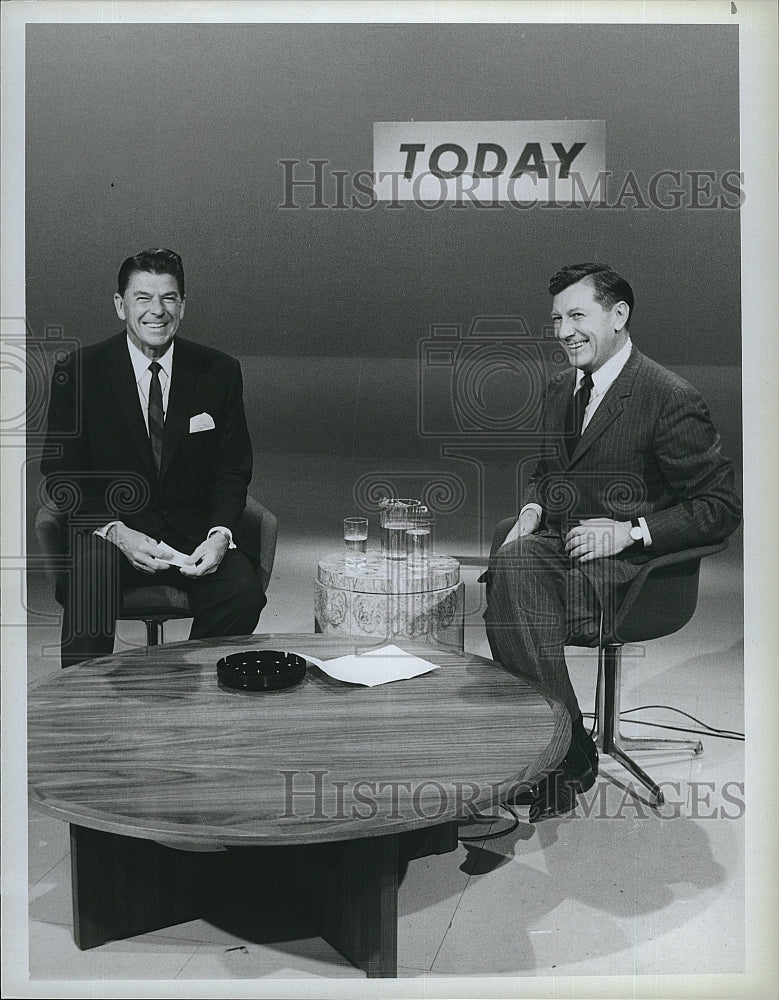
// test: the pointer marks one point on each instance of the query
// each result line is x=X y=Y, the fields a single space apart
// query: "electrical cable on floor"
x=684 y=729
x=725 y=734
x=711 y=729
x=482 y=818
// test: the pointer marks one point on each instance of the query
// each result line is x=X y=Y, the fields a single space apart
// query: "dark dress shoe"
x=555 y=797
x=584 y=741
x=523 y=794
x=556 y=794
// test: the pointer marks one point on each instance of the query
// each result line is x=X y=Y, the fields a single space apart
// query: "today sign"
x=535 y=161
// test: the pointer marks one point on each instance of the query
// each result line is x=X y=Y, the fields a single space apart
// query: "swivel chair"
x=154 y=604
x=659 y=601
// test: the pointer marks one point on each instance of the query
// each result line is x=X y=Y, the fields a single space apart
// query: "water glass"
x=419 y=538
x=355 y=540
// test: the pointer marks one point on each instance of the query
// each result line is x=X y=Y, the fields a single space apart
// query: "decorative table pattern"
x=384 y=598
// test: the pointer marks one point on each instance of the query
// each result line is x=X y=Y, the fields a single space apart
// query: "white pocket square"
x=201 y=422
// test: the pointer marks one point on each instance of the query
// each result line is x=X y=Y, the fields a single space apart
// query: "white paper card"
x=377 y=666
x=166 y=553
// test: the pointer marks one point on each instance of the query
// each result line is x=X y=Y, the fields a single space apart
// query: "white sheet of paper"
x=166 y=553
x=377 y=666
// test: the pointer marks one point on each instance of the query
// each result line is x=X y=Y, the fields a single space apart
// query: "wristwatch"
x=636 y=534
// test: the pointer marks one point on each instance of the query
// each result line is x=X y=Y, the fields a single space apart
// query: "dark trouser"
x=537 y=598
x=226 y=602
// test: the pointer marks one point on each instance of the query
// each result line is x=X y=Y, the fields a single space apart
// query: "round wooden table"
x=158 y=770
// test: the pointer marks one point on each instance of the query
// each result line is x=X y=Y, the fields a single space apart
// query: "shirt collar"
x=141 y=363
x=603 y=378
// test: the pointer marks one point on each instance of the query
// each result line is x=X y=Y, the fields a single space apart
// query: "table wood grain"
x=147 y=745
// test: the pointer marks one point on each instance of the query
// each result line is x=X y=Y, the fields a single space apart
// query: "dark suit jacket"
x=650 y=450
x=98 y=461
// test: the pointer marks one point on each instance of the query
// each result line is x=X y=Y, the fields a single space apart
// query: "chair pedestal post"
x=610 y=740
x=153 y=631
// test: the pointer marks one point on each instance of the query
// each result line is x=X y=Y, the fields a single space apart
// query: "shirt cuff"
x=225 y=531
x=645 y=532
x=103 y=532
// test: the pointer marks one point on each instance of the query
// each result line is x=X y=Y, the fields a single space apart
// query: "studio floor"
x=614 y=889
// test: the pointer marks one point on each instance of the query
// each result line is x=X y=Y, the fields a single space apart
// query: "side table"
x=384 y=598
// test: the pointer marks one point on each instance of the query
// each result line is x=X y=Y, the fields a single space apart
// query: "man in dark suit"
x=147 y=444
x=631 y=468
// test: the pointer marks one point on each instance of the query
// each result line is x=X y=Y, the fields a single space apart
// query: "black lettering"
x=530 y=154
x=410 y=149
x=439 y=151
x=482 y=150
x=567 y=156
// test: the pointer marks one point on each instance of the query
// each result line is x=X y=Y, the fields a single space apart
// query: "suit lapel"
x=181 y=386
x=610 y=408
x=559 y=399
x=122 y=379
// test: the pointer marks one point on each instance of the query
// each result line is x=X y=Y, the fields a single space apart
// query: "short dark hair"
x=154 y=261
x=609 y=287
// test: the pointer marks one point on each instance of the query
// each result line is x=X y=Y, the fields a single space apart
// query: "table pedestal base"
x=123 y=886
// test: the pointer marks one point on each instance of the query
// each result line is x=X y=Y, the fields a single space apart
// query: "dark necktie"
x=575 y=417
x=156 y=418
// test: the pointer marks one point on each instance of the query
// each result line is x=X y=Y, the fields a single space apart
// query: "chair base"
x=608 y=738
x=154 y=632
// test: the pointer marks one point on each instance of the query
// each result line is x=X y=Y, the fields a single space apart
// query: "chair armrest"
x=256 y=535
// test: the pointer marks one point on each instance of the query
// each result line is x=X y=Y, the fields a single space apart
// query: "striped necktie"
x=156 y=417
x=576 y=410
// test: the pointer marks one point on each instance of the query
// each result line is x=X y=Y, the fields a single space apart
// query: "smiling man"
x=147 y=447
x=631 y=469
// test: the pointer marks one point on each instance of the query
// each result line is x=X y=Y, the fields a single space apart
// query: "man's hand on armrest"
x=527 y=522
x=139 y=550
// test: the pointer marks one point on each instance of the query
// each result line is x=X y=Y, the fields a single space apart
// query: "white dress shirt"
x=140 y=365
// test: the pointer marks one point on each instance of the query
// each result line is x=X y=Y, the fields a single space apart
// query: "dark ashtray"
x=260 y=670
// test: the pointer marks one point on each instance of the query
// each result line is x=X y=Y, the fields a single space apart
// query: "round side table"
x=385 y=598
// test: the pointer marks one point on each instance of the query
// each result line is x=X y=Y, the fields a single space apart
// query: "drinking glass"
x=419 y=538
x=355 y=540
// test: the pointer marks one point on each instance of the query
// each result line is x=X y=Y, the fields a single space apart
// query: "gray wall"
x=171 y=135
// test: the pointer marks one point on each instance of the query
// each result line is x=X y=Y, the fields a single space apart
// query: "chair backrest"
x=50 y=527
x=661 y=599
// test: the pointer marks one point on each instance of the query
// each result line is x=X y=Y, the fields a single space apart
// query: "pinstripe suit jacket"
x=650 y=450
